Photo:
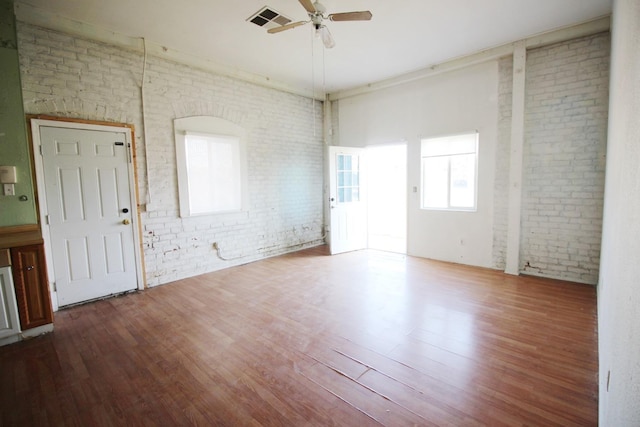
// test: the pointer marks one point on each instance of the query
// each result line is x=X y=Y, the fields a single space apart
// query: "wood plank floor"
x=361 y=339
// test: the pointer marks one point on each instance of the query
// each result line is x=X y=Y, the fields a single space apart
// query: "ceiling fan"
x=317 y=14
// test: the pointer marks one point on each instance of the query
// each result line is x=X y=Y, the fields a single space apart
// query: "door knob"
x=126 y=221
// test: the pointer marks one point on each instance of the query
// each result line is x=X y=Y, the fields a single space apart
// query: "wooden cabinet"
x=9 y=323
x=31 y=285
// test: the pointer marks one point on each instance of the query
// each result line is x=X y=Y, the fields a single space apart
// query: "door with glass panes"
x=348 y=211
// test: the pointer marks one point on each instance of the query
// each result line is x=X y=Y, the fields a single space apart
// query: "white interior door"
x=89 y=209
x=348 y=208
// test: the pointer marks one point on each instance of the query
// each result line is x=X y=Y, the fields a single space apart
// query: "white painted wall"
x=619 y=287
x=502 y=187
x=563 y=129
x=455 y=102
x=69 y=76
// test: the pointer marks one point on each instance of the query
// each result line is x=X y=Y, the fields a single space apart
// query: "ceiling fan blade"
x=308 y=5
x=326 y=36
x=351 y=16
x=286 y=27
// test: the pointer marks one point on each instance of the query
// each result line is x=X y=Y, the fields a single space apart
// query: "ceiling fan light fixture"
x=317 y=14
x=323 y=32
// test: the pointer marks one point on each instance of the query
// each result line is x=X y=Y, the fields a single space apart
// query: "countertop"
x=20 y=236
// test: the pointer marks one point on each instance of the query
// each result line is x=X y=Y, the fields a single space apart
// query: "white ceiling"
x=403 y=35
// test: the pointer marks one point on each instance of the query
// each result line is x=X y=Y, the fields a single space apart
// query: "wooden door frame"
x=34 y=124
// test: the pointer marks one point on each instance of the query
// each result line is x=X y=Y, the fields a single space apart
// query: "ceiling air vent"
x=268 y=18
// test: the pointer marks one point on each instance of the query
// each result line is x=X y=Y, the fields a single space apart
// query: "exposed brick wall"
x=564 y=158
x=72 y=77
x=563 y=176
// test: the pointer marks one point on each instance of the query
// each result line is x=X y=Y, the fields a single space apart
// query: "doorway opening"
x=387 y=197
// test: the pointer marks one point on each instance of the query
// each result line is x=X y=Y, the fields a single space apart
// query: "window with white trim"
x=348 y=171
x=449 y=172
x=210 y=161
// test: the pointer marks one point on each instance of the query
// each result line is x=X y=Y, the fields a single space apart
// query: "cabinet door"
x=9 y=324
x=32 y=289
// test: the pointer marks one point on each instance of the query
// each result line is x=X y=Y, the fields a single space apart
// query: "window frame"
x=217 y=129
x=348 y=185
x=448 y=153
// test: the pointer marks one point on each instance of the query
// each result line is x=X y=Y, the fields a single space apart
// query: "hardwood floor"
x=364 y=338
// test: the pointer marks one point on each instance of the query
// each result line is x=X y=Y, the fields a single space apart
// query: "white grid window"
x=449 y=172
x=348 y=171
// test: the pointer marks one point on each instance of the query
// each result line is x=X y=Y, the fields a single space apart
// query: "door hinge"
x=53 y=286
x=46 y=219
x=40 y=148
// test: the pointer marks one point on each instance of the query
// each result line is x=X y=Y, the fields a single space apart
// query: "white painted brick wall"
x=564 y=158
x=72 y=77
x=564 y=151
x=503 y=160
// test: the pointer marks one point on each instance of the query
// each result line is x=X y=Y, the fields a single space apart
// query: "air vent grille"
x=268 y=18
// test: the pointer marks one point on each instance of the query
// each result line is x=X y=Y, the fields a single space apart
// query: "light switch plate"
x=8 y=175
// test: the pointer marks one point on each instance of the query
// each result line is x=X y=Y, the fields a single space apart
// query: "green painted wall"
x=14 y=146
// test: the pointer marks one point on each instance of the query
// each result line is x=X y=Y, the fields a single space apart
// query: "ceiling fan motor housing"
x=320 y=9
x=318 y=16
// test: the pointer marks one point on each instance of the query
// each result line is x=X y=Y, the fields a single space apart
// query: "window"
x=211 y=173
x=449 y=170
x=348 y=172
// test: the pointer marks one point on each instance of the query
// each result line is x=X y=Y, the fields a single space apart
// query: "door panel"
x=71 y=195
x=87 y=191
x=77 y=255
x=113 y=247
x=108 y=191
x=348 y=213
